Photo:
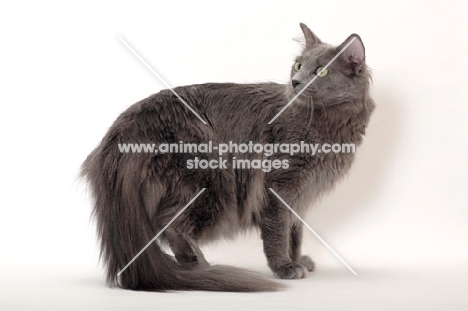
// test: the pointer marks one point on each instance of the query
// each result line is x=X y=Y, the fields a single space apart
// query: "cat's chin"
x=303 y=99
x=346 y=107
x=307 y=101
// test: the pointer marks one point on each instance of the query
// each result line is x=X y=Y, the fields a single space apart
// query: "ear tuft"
x=355 y=53
x=310 y=38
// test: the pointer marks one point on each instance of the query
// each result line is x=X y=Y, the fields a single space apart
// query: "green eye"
x=297 y=66
x=322 y=72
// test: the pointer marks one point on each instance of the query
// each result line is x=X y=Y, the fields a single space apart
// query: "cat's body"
x=137 y=194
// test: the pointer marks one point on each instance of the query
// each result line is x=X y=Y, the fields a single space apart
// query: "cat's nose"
x=295 y=83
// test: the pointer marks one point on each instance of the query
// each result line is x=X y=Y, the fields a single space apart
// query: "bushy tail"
x=124 y=229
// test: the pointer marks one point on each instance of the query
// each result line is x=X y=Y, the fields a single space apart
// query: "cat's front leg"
x=295 y=248
x=276 y=234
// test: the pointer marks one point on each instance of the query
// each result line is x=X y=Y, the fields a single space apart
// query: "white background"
x=400 y=218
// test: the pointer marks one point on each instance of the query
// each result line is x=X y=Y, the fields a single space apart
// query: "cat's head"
x=344 y=82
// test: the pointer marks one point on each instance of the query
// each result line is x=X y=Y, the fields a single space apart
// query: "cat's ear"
x=310 y=38
x=355 y=54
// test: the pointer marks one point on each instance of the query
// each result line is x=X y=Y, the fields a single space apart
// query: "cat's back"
x=231 y=103
x=225 y=107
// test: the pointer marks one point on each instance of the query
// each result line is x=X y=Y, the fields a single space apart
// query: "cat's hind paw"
x=290 y=271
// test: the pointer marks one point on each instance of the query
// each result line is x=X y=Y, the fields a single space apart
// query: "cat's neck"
x=341 y=123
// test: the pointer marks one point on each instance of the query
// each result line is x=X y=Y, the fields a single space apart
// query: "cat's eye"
x=297 y=66
x=321 y=72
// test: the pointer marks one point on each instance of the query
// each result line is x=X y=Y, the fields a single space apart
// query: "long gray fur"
x=137 y=194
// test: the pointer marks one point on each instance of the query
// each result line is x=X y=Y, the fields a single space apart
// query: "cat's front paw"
x=290 y=271
x=307 y=263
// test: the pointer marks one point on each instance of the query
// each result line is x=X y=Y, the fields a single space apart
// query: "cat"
x=137 y=194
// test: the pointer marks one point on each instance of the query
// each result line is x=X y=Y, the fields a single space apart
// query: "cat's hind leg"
x=186 y=251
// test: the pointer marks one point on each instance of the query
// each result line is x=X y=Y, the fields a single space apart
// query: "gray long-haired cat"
x=137 y=194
